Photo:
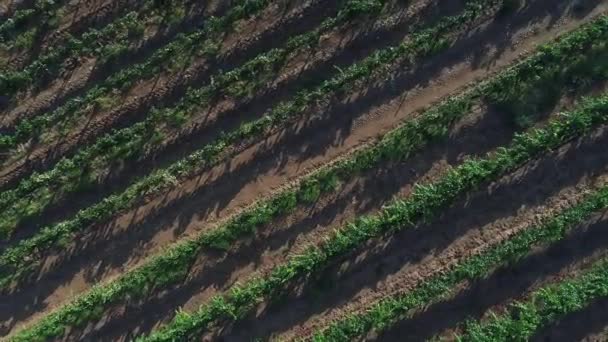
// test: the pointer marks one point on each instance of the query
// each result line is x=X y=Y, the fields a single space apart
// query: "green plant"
x=41 y=14
x=106 y=44
x=510 y=6
x=26 y=39
x=204 y=40
x=545 y=305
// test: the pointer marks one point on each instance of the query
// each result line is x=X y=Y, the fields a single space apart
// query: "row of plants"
x=42 y=12
x=173 y=265
x=425 y=203
x=34 y=194
x=205 y=42
x=109 y=148
x=105 y=44
x=545 y=305
x=19 y=34
x=383 y=314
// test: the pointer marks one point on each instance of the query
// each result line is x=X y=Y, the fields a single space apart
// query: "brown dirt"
x=5 y=8
x=150 y=230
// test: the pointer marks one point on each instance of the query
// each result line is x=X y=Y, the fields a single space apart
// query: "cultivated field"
x=303 y=170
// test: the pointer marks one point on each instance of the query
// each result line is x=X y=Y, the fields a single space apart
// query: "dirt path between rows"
x=277 y=168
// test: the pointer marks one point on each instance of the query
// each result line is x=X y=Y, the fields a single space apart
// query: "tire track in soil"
x=260 y=186
x=162 y=90
x=395 y=263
